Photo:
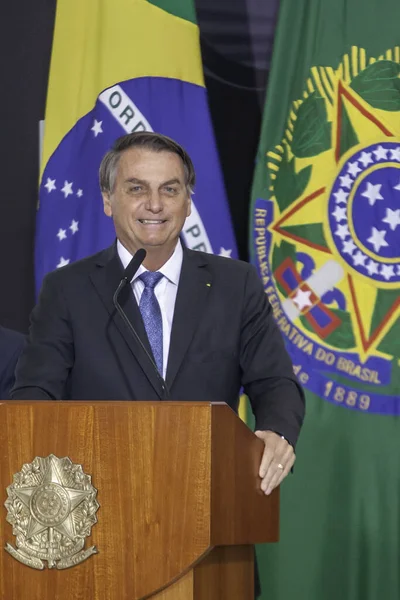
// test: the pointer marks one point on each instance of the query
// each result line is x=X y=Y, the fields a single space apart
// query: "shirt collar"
x=171 y=269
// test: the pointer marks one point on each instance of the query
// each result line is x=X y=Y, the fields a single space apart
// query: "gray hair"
x=148 y=140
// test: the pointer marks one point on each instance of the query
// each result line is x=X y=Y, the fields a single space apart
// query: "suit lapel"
x=105 y=278
x=194 y=286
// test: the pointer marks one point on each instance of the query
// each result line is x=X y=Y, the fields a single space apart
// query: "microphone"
x=129 y=272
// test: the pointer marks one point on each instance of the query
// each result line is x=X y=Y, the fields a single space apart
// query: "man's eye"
x=135 y=188
x=170 y=190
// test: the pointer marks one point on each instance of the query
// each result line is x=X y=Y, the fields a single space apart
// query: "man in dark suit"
x=204 y=320
x=11 y=344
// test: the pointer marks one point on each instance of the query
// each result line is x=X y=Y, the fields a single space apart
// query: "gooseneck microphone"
x=127 y=276
x=129 y=272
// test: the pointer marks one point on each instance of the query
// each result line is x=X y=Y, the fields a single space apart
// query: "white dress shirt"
x=165 y=290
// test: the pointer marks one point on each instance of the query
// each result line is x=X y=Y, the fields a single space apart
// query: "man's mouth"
x=152 y=221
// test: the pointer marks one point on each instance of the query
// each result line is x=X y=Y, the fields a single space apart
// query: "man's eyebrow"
x=135 y=180
x=171 y=181
x=144 y=182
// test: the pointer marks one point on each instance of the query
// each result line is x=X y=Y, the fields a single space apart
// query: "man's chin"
x=160 y=244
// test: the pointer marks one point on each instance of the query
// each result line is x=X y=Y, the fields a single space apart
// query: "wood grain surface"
x=226 y=573
x=240 y=511
x=183 y=589
x=152 y=466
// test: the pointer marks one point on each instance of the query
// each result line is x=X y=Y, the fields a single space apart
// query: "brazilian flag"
x=119 y=66
x=325 y=237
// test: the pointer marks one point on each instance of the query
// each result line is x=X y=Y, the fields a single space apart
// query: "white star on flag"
x=63 y=262
x=366 y=159
x=392 y=218
x=397 y=187
x=372 y=192
x=339 y=214
x=395 y=153
x=341 y=196
x=67 y=189
x=226 y=253
x=346 y=181
x=354 y=169
x=387 y=271
x=349 y=247
x=372 y=267
x=79 y=193
x=377 y=239
x=97 y=128
x=342 y=231
x=50 y=185
x=380 y=153
x=62 y=234
x=359 y=258
x=398 y=269
x=302 y=299
x=74 y=226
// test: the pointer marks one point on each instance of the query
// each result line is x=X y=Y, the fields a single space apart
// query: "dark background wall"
x=236 y=42
x=26 y=30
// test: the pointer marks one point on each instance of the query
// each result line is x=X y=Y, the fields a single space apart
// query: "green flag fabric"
x=325 y=237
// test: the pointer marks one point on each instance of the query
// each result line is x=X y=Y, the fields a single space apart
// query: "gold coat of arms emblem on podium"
x=52 y=507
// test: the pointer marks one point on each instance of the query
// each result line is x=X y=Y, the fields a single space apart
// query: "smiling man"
x=147 y=193
x=204 y=320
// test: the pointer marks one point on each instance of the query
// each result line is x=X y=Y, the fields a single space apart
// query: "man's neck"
x=156 y=257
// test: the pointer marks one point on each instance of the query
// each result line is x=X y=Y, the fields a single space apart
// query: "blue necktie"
x=151 y=314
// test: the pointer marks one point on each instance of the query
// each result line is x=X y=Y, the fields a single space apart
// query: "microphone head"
x=134 y=264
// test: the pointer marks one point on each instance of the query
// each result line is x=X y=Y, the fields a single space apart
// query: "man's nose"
x=154 y=202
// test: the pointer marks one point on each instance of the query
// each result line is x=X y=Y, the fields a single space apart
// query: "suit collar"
x=194 y=287
x=108 y=255
x=171 y=269
x=106 y=278
x=191 y=302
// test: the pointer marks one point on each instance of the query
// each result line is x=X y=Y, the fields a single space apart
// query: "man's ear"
x=107 y=206
x=189 y=207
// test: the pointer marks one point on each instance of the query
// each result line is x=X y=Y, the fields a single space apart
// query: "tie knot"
x=150 y=278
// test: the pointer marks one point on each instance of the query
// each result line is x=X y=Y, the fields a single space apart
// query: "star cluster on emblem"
x=365 y=211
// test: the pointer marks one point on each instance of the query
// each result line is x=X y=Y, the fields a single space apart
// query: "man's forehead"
x=141 y=157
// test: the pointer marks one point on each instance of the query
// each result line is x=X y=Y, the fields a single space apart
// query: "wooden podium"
x=179 y=495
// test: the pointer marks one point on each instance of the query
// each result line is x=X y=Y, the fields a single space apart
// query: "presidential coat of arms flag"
x=325 y=238
x=120 y=66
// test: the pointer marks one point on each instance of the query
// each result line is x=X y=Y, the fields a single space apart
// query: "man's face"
x=149 y=203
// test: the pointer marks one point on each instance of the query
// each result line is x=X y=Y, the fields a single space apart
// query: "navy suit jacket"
x=223 y=337
x=11 y=344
